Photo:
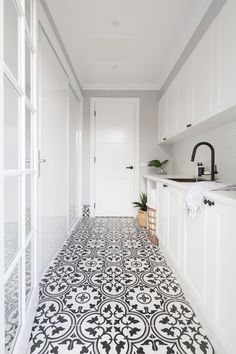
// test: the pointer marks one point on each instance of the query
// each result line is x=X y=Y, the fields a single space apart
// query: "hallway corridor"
x=110 y=291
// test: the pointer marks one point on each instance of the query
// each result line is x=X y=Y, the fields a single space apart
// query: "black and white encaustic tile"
x=110 y=291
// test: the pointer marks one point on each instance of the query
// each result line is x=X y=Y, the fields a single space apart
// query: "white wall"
x=224 y=141
x=149 y=148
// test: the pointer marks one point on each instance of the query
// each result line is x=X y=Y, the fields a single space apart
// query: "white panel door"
x=115 y=158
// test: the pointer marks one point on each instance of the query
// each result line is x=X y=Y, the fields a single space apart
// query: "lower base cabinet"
x=203 y=251
x=221 y=291
x=195 y=255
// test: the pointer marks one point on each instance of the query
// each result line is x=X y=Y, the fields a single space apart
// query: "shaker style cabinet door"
x=227 y=55
x=163 y=119
x=221 y=226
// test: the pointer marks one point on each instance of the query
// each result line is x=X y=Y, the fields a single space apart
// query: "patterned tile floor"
x=110 y=291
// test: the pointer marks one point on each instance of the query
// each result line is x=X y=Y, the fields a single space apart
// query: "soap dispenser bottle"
x=200 y=169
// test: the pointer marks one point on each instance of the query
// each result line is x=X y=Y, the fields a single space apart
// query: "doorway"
x=114 y=156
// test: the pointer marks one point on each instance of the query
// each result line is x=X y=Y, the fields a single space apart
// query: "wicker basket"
x=151 y=226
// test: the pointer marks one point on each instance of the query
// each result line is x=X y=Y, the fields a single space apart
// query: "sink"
x=190 y=180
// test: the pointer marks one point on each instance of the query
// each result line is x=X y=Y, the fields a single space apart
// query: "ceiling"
x=125 y=44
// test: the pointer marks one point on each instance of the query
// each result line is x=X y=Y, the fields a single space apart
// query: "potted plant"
x=159 y=164
x=142 y=213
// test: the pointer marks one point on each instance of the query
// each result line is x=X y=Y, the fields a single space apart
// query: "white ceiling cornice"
x=128 y=87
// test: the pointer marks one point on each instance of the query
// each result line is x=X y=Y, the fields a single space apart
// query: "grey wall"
x=224 y=141
x=149 y=148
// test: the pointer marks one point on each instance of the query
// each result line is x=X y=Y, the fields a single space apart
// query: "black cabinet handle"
x=188 y=125
x=130 y=167
x=165 y=185
x=164 y=139
x=209 y=202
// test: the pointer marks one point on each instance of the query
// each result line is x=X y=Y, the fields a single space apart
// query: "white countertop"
x=228 y=197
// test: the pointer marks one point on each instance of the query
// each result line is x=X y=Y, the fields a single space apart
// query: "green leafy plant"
x=142 y=205
x=158 y=164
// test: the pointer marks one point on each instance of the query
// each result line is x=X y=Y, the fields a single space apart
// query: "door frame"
x=93 y=101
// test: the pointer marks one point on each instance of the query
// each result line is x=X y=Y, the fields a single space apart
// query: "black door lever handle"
x=130 y=167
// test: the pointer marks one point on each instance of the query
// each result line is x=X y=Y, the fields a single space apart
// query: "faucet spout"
x=212 y=156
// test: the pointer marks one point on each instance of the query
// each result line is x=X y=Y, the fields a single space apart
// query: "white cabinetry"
x=202 y=78
x=169 y=212
x=185 y=81
x=221 y=230
x=163 y=119
x=227 y=55
x=195 y=255
x=205 y=86
x=173 y=113
x=202 y=252
x=174 y=226
x=162 y=206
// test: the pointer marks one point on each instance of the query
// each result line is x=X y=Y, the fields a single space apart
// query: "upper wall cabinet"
x=173 y=112
x=202 y=79
x=185 y=95
x=205 y=87
x=227 y=55
x=163 y=122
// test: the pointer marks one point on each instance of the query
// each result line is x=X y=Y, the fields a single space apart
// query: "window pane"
x=28 y=204
x=12 y=218
x=28 y=13
x=11 y=36
x=28 y=270
x=27 y=69
x=28 y=140
x=12 y=301
x=11 y=102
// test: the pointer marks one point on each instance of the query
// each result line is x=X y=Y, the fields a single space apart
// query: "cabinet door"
x=201 y=78
x=162 y=213
x=227 y=55
x=163 y=118
x=185 y=84
x=174 y=224
x=194 y=262
x=222 y=284
x=172 y=100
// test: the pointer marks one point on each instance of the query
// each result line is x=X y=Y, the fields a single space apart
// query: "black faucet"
x=212 y=156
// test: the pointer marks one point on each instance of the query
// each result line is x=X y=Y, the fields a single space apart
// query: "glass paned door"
x=18 y=172
x=11 y=37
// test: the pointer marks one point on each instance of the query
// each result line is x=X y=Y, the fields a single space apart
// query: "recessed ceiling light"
x=115 y=23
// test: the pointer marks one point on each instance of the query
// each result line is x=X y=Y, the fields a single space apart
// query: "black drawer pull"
x=165 y=185
x=188 y=125
x=209 y=202
x=164 y=139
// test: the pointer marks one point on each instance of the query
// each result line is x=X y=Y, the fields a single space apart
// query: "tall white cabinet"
x=59 y=144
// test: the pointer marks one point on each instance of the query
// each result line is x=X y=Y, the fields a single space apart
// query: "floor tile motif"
x=110 y=291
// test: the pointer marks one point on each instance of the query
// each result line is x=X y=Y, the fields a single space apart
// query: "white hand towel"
x=195 y=194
